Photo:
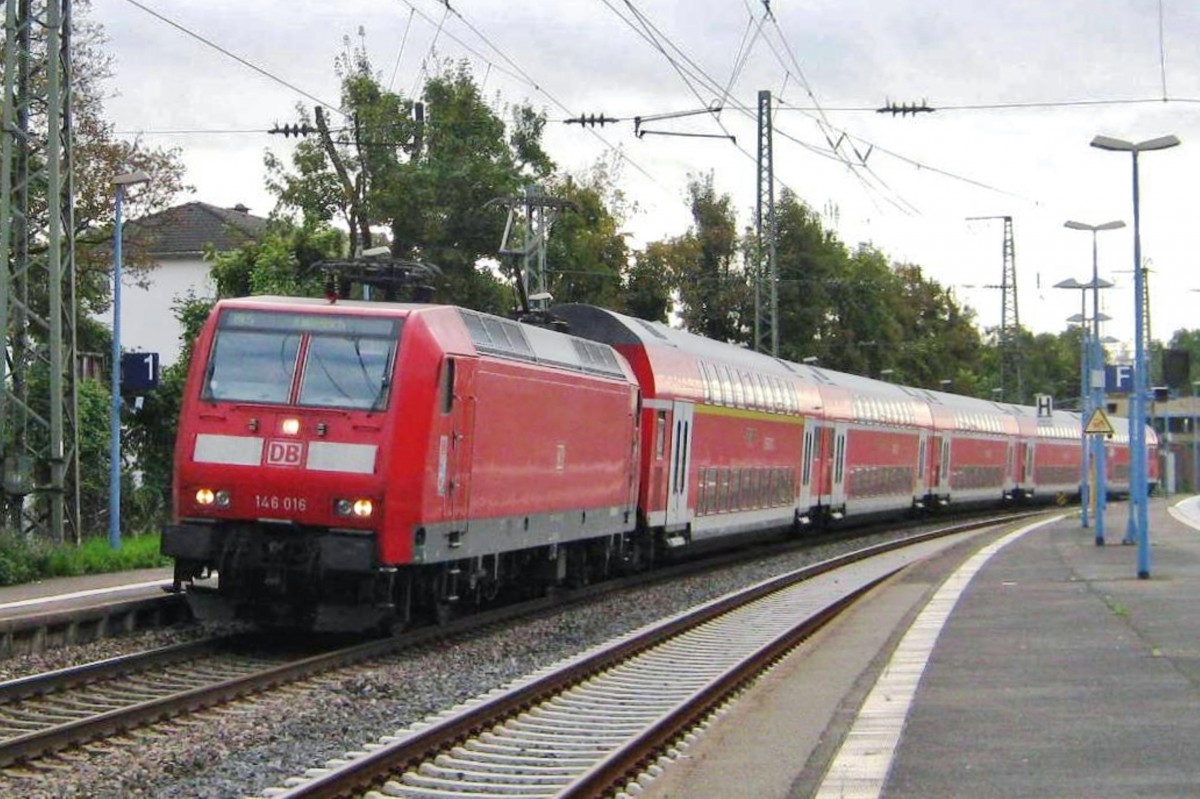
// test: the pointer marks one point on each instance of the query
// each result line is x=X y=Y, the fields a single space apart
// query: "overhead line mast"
x=766 y=282
x=1010 y=318
x=38 y=397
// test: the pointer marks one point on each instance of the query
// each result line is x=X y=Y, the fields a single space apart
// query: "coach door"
x=808 y=459
x=943 y=471
x=921 y=484
x=838 y=499
x=1022 y=472
x=681 y=454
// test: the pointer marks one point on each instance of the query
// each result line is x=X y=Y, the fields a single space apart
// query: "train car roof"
x=321 y=305
x=600 y=324
x=618 y=329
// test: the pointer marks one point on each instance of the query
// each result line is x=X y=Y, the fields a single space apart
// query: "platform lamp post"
x=122 y=182
x=1084 y=459
x=1139 y=511
x=1097 y=376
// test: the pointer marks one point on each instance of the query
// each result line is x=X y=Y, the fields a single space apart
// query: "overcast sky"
x=904 y=183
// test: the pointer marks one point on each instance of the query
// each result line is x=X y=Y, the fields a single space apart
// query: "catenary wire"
x=521 y=76
x=234 y=56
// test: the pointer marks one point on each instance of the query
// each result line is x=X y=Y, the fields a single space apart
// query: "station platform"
x=63 y=593
x=1052 y=672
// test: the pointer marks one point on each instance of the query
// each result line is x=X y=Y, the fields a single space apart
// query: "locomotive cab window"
x=341 y=361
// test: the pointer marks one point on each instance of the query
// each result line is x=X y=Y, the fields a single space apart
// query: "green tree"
x=283 y=262
x=712 y=286
x=1050 y=365
x=648 y=283
x=426 y=178
x=811 y=263
x=586 y=252
x=938 y=338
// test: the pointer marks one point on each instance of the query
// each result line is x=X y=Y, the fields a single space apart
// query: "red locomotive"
x=350 y=465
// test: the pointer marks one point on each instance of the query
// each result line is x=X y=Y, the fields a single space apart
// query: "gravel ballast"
x=240 y=749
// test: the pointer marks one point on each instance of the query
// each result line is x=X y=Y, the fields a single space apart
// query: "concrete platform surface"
x=1056 y=673
x=84 y=590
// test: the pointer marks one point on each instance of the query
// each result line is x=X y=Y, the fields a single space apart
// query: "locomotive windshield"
x=342 y=361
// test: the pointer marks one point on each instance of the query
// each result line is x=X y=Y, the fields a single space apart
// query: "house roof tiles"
x=187 y=229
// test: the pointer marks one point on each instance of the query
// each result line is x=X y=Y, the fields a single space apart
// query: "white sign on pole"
x=1045 y=406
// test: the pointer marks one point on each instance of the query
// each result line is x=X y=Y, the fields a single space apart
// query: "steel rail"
x=365 y=770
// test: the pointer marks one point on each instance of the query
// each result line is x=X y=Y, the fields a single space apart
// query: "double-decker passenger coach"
x=342 y=465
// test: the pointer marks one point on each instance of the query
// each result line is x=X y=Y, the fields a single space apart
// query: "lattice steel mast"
x=1010 y=318
x=39 y=405
x=766 y=274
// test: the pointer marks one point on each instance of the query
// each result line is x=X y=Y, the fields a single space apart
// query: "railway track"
x=47 y=713
x=590 y=726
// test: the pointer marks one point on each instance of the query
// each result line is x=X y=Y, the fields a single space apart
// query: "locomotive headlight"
x=219 y=499
x=362 y=508
x=290 y=427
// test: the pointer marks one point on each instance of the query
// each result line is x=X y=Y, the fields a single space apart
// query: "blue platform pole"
x=1139 y=511
x=114 y=428
x=1137 y=532
x=1099 y=450
x=1085 y=400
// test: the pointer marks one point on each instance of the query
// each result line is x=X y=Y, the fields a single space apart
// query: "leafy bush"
x=24 y=561
x=18 y=561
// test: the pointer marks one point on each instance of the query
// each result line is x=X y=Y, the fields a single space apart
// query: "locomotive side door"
x=682 y=414
x=457 y=398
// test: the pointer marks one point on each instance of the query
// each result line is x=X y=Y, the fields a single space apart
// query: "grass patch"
x=23 y=561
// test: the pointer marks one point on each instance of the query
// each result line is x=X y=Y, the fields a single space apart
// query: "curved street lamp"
x=1139 y=514
x=1098 y=455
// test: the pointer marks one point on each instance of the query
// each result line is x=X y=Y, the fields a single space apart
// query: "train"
x=353 y=466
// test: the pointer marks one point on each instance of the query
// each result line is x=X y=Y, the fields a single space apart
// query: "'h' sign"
x=1045 y=406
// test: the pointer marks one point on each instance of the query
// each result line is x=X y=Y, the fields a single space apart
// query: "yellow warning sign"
x=1098 y=423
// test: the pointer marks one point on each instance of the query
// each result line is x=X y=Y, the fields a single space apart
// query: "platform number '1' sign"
x=139 y=372
x=1045 y=406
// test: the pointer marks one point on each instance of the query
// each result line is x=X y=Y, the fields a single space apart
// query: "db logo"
x=285 y=453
